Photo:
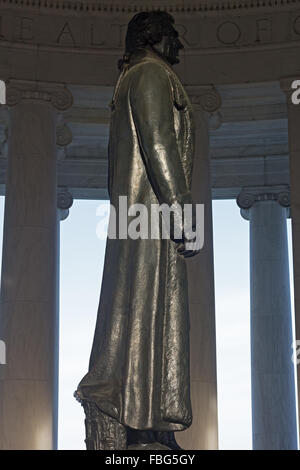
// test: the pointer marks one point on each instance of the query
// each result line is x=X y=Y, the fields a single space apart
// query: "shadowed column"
x=28 y=307
x=203 y=434
x=294 y=164
x=274 y=425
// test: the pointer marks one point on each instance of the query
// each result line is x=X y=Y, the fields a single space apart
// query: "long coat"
x=139 y=364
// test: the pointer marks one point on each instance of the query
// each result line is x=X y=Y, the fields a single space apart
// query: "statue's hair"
x=146 y=28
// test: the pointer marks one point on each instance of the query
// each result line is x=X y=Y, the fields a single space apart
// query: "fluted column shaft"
x=274 y=424
x=28 y=303
x=203 y=434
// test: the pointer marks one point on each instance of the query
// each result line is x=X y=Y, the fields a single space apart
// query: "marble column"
x=203 y=434
x=294 y=163
x=274 y=424
x=28 y=302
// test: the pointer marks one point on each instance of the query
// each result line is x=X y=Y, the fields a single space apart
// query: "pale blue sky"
x=81 y=264
x=81 y=270
x=82 y=255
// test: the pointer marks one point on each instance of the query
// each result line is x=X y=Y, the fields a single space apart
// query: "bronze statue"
x=137 y=390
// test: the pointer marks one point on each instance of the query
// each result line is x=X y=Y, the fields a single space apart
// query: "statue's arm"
x=152 y=105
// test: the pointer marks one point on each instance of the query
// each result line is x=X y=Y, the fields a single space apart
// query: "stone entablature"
x=105 y=29
x=81 y=42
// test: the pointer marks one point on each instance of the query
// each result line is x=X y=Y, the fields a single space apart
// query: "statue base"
x=106 y=433
x=102 y=431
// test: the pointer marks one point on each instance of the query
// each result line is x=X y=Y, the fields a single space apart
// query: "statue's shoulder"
x=149 y=67
x=151 y=71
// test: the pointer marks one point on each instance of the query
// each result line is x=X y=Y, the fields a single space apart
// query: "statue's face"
x=170 y=46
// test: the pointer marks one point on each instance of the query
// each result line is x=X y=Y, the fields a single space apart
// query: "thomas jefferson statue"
x=137 y=390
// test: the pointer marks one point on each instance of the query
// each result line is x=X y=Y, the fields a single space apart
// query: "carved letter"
x=26 y=33
x=182 y=30
x=263 y=30
x=66 y=34
x=296 y=25
x=228 y=33
x=121 y=34
x=92 y=42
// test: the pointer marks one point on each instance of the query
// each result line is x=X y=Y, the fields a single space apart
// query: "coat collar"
x=146 y=55
x=138 y=57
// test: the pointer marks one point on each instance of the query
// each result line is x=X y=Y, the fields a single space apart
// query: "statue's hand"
x=189 y=248
x=191 y=244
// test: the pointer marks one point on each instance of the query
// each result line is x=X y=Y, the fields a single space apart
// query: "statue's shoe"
x=148 y=446
x=167 y=438
x=152 y=440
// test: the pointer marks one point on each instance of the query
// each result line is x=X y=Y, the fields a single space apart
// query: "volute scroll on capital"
x=245 y=199
x=209 y=101
x=64 y=199
x=57 y=95
x=207 y=97
x=64 y=202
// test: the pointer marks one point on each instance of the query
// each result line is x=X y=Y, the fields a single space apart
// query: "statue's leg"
x=135 y=436
x=102 y=431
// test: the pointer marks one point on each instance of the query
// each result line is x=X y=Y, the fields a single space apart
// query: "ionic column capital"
x=246 y=199
x=55 y=94
x=208 y=100
x=205 y=96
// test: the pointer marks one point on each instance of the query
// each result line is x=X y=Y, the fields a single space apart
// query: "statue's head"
x=154 y=30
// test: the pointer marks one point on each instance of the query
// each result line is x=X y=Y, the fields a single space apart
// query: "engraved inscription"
x=263 y=30
x=120 y=31
x=26 y=29
x=94 y=41
x=296 y=25
x=102 y=33
x=228 y=33
x=183 y=33
x=66 y=36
